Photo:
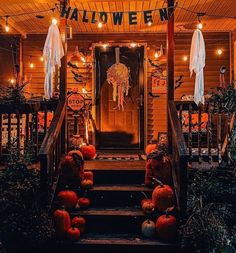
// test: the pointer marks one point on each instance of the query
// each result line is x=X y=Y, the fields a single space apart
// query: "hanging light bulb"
x=83 y=59
x=185 y=58
x=54 y=21
x=84 y=90
x=41 y=58
x=149 y=23
x=200 y=25
x=31 y=63
x=7 y=28
x=105 y=45
x=133 y=45
x=12 y=80
x=219 y=51
x=99 y=25
x=156 y=55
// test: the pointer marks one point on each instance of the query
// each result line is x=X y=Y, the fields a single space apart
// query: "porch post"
x=170 y=44
x=63 y=77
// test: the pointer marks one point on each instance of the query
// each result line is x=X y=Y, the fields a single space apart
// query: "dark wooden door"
x=120 y=129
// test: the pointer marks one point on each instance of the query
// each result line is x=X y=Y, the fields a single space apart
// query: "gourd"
x=148 y=228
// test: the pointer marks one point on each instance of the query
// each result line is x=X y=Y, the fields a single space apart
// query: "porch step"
x=125 y=242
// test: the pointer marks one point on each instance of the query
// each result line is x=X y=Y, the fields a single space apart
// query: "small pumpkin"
x=73 y=234
x=162 y=196
x=79 y=222
x=61 y=222
x=147 y=206
x=68 y=198
x=166 y=227
x=84 y=203
x=88 y=151
x=148 y=228
x=87 y=184
x=150 y=147
x=88 y=175
x=75 y=152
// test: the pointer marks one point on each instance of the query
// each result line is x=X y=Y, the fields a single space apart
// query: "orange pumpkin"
x=148 y=228
x=166 y=227
x=88 y=175
x=68 y=198
x=61 y=221
x=150 y=148
x=87 y=184
x=147 y=206
x=84 y=203
x=79 y=222
x=162 y=197
x=73 y=234
x=88 y=151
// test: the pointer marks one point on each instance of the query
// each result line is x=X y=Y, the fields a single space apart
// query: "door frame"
x=145 y=93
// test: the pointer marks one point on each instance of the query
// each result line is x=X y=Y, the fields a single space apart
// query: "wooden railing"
x=21 y=124
x=206 y=131
x=179 y=158
x=51 y=151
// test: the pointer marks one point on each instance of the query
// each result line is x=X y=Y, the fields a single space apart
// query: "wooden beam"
x=13 y=26
x=114 y=1
x=170 y=64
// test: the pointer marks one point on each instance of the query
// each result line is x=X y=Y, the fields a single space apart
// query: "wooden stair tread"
x=121 y=239
x=129 y=188
x=110 y=212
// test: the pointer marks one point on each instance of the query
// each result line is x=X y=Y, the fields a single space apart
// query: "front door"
x=120 y=129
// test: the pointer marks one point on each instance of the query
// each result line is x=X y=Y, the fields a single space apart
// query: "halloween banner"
x=117 y=17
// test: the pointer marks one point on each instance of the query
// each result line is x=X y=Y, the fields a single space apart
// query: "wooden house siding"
x=156 y=107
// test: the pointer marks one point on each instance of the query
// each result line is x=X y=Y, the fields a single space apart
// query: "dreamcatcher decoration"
x=118 y=76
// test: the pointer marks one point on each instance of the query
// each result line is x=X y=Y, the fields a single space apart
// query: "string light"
x=149 y=23
x=12 y=80
x=156 y=55
x=133 y=45
x=7 y=28
x=54 y=21
x=41 y=58
x=105 y=45
x=185 y=58
x=84 y=90
x=200 y=26
x=83 y=59
x=219 y=51
x=100 y=25
x=31 y=63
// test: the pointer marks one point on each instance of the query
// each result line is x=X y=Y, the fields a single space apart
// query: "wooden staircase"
x=115 y=216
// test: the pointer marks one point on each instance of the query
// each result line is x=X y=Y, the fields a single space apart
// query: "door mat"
x=118 y=157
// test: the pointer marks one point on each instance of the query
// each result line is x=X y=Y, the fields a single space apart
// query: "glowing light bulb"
x=83 y=59
x=99 y=25
x=54 y=21
x=12 y=80
x=133 y=45
x=7 y=28
x=185 y=58
x=219 y=51
x=84 y=90
x=200 y=25
x=156 y=55
x=41 y=58
x=31 y=65
x=105 y=46
x=149 y=23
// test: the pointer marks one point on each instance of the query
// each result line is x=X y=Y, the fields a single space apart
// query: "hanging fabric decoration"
x=197 y=64
x=52 y=53
x=118 y=76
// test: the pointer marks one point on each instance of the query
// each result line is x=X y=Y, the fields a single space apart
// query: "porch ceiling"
x=29 y=24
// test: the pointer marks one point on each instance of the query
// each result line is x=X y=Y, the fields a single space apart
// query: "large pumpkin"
x=148 y=228
x=73 y=234
x=88 y=151
x=61 y=221
x=162 y=197
x=68 y=198
x=149 y=148
x=166 y=227
x=79 y=222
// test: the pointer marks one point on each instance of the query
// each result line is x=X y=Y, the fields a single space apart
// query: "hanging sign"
x=75 y=102
x=117 y=17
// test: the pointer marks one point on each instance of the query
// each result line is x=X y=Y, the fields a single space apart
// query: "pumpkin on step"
x=73 y=234
x=150 y=147
x=79 y=222
x=73 y=166
x=88 y=175
x=158 y=166
x=162 y=196
x=84 y=203
x=147 y=206
x=61 y=222
x=88 y=151
x=68 y=198
x=87 y=184
x=148 y=228
x=166 y=227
